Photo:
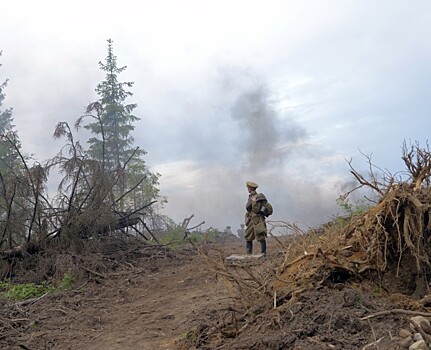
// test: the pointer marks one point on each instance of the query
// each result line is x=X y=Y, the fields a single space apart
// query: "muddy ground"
x=173 y=299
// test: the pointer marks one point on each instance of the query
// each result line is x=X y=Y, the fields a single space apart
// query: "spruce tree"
x=112 y=144
x=113 y=131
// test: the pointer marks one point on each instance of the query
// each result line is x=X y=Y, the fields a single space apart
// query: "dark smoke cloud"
x=268 y=137
x=255 y=117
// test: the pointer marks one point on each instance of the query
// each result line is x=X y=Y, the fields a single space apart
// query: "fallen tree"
x=87 y=205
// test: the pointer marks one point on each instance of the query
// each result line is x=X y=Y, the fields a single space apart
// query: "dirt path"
x=144 y=307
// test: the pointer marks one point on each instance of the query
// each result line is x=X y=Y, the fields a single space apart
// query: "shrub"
x=25 y=291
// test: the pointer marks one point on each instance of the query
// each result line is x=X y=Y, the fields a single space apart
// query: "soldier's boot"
x=263 y=247
x=249 y=247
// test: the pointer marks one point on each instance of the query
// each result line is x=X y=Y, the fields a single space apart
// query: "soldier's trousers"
x=249 y=247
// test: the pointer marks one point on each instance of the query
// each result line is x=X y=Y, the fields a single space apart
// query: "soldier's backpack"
x=266 y=208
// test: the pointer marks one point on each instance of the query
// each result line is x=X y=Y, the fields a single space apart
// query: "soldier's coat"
x=254 y=220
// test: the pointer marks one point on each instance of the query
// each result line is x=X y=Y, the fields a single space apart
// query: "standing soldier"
x=255 y=219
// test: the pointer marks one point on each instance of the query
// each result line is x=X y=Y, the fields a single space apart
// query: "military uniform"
x=254 y=219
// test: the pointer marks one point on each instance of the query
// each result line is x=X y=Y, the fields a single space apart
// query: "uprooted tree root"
x=390 y=241
x=397 y=226
x=395 y=235
x=390 y=238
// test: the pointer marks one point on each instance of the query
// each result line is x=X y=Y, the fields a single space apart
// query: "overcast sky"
x=277 y=92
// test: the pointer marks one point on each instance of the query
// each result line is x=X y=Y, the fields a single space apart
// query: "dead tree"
x=185 y=224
